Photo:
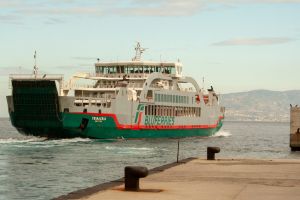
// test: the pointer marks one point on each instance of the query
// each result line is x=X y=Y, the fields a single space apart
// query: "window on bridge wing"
x=150 y=94
x=173 y=70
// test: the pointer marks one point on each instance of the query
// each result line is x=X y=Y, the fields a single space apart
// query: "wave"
x=129 y=148
x=16 y=140
x=222 y=133
x=41 y=140
x=69 y=140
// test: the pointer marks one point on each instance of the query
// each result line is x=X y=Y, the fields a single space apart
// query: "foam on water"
x=222 y=133
x=15 y=140
x=40 y=141
x=70 y=140
x=128 y=148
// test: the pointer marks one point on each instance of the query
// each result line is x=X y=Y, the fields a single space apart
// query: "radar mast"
x=138 y=52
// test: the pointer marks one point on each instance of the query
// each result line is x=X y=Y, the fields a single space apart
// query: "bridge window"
x=131 y=69
x=150 y=94
x=105 y=70
x=140 y=69
x=173 y=70
x=146 y=69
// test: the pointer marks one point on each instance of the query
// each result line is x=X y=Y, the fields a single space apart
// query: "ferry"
x=127 y=100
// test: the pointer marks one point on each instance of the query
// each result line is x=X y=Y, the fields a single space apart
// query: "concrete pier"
x=219 y=179
x=295 y=128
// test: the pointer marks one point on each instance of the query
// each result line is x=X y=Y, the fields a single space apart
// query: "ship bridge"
x=137 y=68
x=109 y=76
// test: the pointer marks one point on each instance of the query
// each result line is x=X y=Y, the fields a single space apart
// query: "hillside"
x=260 y=105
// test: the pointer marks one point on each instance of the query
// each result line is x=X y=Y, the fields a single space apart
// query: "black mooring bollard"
x=211 y=152
x=132 y=176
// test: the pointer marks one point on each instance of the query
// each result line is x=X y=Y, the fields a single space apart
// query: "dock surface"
x=237 y=179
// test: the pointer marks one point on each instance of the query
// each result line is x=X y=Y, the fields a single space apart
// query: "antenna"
x=203 y=83
x=35 y=68
x=138 y=52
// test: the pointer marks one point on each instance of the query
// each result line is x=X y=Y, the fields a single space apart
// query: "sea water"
x=38 y=168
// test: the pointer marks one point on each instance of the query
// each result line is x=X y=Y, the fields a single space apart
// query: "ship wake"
x=222 y=133
x=42 y=140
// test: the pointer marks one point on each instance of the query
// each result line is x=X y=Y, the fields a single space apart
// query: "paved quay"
x=239 y=179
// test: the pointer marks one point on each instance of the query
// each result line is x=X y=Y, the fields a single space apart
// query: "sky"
x=236 y=45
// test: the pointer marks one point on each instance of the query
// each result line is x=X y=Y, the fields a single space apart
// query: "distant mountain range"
x=260 y=105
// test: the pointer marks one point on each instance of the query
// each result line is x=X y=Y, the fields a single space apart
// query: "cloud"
x=8 y=3
x=90 y=65
x=60 y=11
x=85 y=58
x=51 y=21
x=255 y=1
x=5 y=71
x=119 y=7
x=10 y=19
x=7 y=18
x=163 y=8
x=75 y=67
x=254 y=41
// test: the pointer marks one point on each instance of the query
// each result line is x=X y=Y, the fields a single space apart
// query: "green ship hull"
x=83 y=125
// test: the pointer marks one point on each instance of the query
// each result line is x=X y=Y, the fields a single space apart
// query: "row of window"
x=158 y=110
x=85 y=104
x=66 y=110
x=169 y=98
x=134 y=69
